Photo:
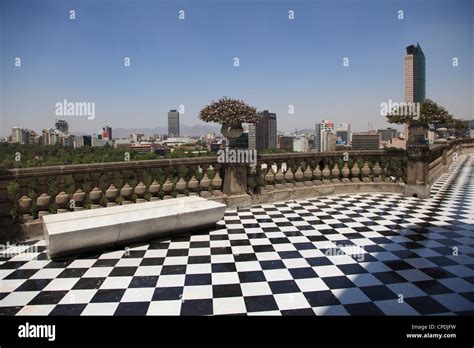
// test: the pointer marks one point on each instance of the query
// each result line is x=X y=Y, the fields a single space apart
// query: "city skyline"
x=283 y=62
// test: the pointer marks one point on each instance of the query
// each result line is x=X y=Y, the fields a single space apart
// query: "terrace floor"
x=358 y=254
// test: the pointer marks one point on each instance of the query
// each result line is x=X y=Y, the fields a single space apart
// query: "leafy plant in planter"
x=230 y=113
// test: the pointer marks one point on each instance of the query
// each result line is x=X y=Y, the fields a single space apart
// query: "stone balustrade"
x=47 y=190
x=442 y=155
x=57 y=189
x=297 y=175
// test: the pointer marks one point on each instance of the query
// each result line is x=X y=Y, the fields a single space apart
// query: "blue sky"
x=190 y=61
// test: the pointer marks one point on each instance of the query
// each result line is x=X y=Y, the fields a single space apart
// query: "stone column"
x=235 y=184
x=418 y=163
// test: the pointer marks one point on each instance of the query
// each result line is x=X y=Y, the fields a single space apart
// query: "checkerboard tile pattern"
x=358 y=254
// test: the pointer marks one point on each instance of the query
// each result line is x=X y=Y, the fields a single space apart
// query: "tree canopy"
x=429 y=112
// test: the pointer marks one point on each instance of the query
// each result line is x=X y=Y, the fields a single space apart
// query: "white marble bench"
x=73 y=232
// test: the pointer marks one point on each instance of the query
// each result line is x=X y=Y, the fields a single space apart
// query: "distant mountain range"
x=192 y=131
x=195 y=130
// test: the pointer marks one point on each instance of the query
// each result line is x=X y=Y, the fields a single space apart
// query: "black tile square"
x=290 y=254
x=366 y=308
x=88 y=283
x=198 y=279
x=199 y=244
x=398 y=265
x=68 y=309
x=321 y=298
x=33 y=285
x=426 y=305
x=263 y=248
x=177 y=252
x=319 y=261
x=378 y=293
x=48 y=297
x=252 y=277
x=168 y=294
x=223 y=267
x=284 y=286
x=21 y=274
x=123 y=271
x=108 y=295
x=133 y=254
x=197 y=307
x=272 y=264
x=298 y=312
x=132 y=308
x=226 y=290
x=58 y=264
x=72 y=273
x=389 y=277
x=279 y=240
x=338 y=282
x=221 y=251
x=173 y=269
x=441 y=261
x=9 y=311
x=105 y=263
x=260 y=303
x=152 y=261
x=245 y=257
x=143 y=282
x=192 y=260
x=352 y=268
x=432 y=287
x=300 y=273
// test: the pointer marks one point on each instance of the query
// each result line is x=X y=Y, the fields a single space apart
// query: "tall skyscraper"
x=266 y=131
x=173 y=123
x=320 y=135
x=62 y=126
x=415 y=79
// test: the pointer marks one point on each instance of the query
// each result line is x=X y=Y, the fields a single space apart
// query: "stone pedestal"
x=418 y=163
x=235 y=179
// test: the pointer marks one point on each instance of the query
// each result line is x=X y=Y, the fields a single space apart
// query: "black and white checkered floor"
x=358 y=254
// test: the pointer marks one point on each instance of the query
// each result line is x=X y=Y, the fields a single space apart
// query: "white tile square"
x=229 y=305
x=36 y=310
x=225 y=278
x=294 y=300
x=78 y=296
x=328 y=271
x=116 y=283
x=255 y=289
x=138 y=295
x=100 y=308
x=170 y=280
x=165 y=308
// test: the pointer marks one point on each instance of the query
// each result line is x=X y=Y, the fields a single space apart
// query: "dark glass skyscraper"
x=415 y=79
x=266 y=131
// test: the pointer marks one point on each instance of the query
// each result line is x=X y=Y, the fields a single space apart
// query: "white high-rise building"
x=16 y=135
x=301 y=144
x=320 y=138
